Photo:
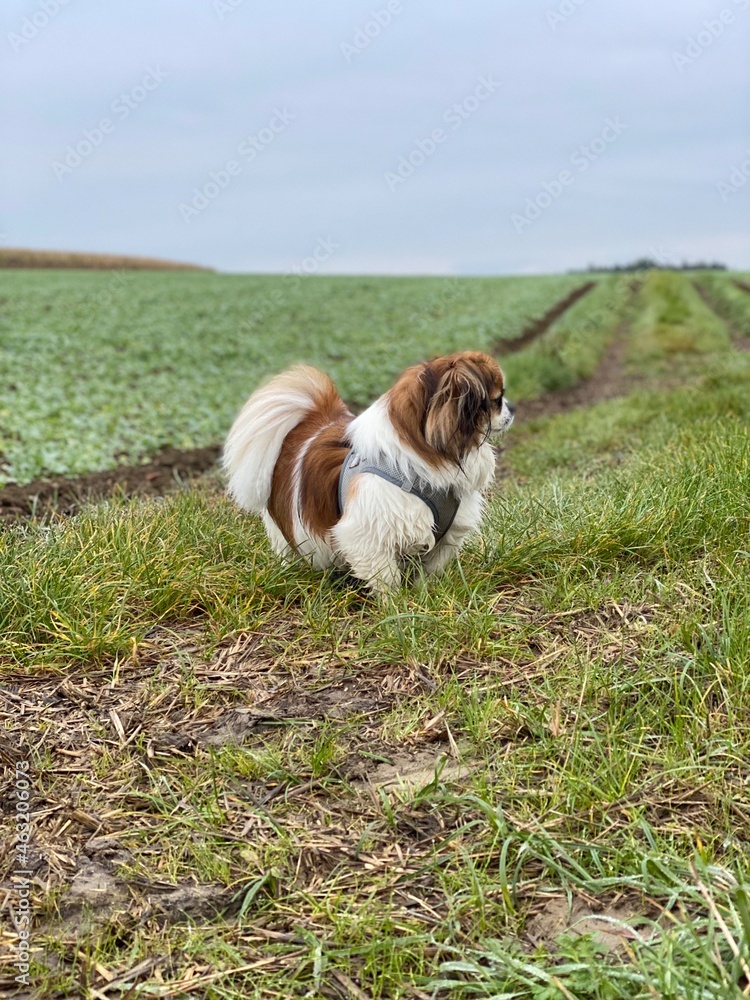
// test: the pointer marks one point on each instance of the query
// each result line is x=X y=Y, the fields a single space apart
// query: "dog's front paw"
x=385 y=582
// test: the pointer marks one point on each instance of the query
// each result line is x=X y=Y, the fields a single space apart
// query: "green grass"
x=563 y=716
x=105 y=366
x=574 y=345
x=674 y=324
x=732 y=302
x=90 y=587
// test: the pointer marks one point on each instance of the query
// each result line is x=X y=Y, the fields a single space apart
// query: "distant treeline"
x=648 y=264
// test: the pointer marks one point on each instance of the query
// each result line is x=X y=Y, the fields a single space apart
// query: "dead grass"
x=278 y=804
x=22 y=257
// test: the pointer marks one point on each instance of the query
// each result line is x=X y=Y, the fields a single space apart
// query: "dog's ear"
x=456 y=410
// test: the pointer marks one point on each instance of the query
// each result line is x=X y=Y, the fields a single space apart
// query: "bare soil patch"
x=611 y=923
x=94 y=859
x=167 y=470
x=414 y=769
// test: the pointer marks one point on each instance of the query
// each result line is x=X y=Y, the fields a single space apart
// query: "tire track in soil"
x=166 y=471
x=172 y=467
x=608 y=381
x=740 y=341
x=537 y=327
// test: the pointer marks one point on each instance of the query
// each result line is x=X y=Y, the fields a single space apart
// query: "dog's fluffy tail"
x=257 y=435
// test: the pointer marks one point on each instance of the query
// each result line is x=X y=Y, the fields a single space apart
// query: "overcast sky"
x=392 y=136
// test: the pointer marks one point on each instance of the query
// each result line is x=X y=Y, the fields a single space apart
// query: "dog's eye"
x=498 y=400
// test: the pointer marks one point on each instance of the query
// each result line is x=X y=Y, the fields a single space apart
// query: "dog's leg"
x=438 y=558
x=369 y=557
x=381 y=580
x=468 y=519
x=279 y=544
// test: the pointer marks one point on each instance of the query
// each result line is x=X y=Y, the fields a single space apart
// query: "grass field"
x=529 y=779
x=106 y=366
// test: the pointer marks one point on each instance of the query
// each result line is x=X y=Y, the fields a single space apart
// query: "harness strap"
x=443 y=504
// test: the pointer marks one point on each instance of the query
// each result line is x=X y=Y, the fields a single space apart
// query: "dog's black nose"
x=511 y=408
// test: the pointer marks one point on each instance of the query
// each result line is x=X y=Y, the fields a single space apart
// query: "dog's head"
x=447 y=407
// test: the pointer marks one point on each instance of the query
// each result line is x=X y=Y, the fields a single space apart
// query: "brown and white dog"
x=419 y=455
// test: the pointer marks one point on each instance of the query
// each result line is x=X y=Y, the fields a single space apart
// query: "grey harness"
x=444 y=504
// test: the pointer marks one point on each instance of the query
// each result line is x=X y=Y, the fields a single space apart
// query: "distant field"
x=98 y=368
x=19 y=257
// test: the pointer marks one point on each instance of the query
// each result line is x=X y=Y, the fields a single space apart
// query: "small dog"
x=403 y=479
